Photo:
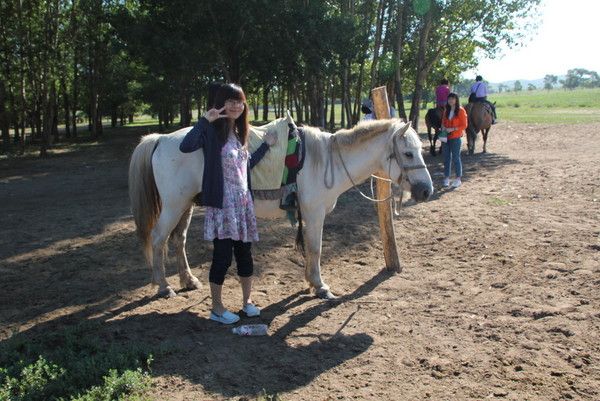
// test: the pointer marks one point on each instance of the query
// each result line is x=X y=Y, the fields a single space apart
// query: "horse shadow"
x=208 y=354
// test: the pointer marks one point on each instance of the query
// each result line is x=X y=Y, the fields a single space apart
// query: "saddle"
x=278 y=165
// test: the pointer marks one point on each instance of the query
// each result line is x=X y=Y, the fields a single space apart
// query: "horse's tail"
x=143 y=194
x=300 y=234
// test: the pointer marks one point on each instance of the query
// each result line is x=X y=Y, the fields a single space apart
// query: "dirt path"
x=498 y=297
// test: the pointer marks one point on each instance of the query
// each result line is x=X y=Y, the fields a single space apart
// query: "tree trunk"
x=65 y=97
x=266 y=90
x=298 y=106
x=255 y=107
x=378 y=33
x=4 y=119
x=397 y=57
x=421 y=69
x=275 y=105
x=357 y=99
x=332 y=111
x=55 y=133
x=185 y=107
x=114 y=117
x=48 y=121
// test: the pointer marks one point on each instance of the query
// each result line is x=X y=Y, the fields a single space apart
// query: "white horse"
x=164 y=181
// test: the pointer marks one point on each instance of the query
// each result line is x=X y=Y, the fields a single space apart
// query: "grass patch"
x=495 y=201
x=556 y=106
x=264 y=396
x=73 y=364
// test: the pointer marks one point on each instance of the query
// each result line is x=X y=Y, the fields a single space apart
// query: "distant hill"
x=539 y=83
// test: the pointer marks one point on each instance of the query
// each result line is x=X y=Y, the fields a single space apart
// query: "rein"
x=394 y=156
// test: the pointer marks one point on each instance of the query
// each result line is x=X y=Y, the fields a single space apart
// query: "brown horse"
x=480 y=119
x=433 y=119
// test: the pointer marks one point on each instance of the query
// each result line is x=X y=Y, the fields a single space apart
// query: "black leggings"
x=223 y=251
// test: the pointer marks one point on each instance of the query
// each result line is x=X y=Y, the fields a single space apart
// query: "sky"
x=567 y=37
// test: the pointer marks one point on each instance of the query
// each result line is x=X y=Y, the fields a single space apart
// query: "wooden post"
x=384 y=190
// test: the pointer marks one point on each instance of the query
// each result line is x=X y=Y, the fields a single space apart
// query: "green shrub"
x=73 y=364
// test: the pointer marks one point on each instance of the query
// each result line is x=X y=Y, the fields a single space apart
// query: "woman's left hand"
x=270 y=138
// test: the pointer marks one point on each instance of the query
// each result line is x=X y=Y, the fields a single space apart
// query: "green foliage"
x=549 y=81
x=264 y=396
x=580 y=77
x=72 y=364
x=517 y=86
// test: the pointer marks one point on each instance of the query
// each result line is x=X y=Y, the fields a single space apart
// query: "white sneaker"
x=446 y=182
x=456 y=183
x=225 y=318
x=251 y=310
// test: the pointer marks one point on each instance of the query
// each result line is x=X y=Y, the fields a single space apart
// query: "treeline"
x=63 y=62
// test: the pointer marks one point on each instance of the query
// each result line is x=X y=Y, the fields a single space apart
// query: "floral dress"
x=236 y=220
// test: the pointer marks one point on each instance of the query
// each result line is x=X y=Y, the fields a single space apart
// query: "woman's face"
x=234 y=108
x=452 y=101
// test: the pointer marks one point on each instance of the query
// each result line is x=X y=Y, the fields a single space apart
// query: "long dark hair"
x=213 y=88
x=232 y=92
x=456 y=106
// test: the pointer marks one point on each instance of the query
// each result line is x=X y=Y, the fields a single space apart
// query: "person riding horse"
x=479 y=94
x=433 y=117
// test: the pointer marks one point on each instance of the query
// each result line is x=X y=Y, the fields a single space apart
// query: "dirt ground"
x=498 y=297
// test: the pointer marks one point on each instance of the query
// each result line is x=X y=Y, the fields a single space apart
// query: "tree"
x=549 y=81
x=531 y=87
x=517 y=87
x=580 y=77
x=461 y=28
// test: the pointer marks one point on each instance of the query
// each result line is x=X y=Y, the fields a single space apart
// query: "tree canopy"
x=65 y=61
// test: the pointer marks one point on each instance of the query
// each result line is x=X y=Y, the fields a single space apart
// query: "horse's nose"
x=421 y=191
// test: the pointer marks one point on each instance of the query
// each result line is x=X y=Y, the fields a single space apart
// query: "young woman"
x=454 y=122
x=230 y=222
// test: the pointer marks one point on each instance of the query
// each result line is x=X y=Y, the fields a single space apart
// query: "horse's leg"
x=471 y=141
x=431 y=141
x=313 y=235
x=168 y=219
x=485 y=132
x=178 y=237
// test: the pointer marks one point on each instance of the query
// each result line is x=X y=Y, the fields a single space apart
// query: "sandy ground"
x=498 y=298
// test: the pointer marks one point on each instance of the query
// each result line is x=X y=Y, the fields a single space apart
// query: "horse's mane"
x=363 y=131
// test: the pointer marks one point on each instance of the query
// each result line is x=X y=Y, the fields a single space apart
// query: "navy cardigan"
x=204 y=135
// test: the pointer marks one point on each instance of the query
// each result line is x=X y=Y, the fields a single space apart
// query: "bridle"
x=394 y=156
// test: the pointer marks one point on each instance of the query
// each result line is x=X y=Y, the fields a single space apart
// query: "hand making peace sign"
x=214 y=114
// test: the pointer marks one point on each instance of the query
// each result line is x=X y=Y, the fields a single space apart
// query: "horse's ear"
x=404 y=129
x=289 y=118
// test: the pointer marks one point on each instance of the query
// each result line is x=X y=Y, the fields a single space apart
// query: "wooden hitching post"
x=384 y=190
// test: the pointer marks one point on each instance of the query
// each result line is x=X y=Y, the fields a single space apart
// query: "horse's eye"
x=409 y=155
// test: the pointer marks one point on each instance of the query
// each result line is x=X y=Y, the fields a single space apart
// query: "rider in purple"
x=441 y=93
x=479 y=93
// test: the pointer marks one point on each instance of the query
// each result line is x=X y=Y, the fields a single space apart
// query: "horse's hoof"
x=325 y=293
x=192 y=284
x=166 y=293
x=484 y=151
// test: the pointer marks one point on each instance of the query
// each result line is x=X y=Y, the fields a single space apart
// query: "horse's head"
x=404 y=162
